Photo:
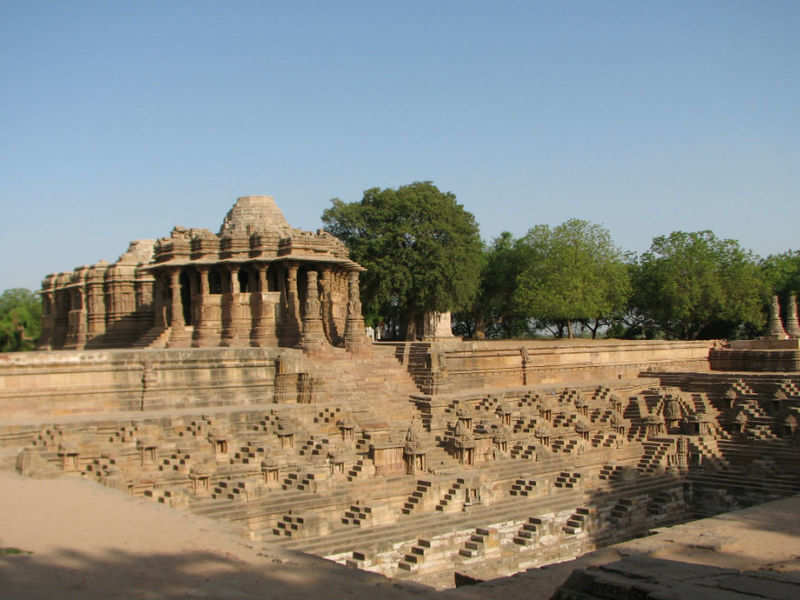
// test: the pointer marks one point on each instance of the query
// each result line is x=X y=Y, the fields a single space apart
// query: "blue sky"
x=120 y=120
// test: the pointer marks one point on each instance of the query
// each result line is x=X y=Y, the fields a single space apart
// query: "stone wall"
x=450 y=366
x=36 y=384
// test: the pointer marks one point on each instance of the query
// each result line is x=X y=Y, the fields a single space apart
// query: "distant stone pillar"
x=326 y=304
x=203 y=328
x=78 y=320
x=230 y=309
x=792 y=325
x=159 y=308
x=48 y=320
x=313 y=339
x=143 y=293
x=263 y=331
x=178 y=337
x=775 y=330
x=95 y=302
x=263 y=285
x=290 y=325
x=355 y=334
x=176 y=309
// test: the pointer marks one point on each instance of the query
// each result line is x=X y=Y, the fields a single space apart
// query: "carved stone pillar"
x=792 y=325
x=206 y=326
x=290 y=326
x=355 y=335
x=230 y=309
x=76 y=328
x=263 y=309
x=178 y=337
x=775 y=330
x=176 y=310
x=95 y=303
x=326 y=304
x=159 y=306
x=48 y=320
x=313 y=334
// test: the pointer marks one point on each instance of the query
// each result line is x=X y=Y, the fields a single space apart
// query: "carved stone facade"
x=258 y=282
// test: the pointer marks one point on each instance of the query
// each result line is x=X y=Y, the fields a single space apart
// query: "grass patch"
x=12 y=551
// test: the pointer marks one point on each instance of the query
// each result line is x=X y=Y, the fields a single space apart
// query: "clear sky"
x=122 y=119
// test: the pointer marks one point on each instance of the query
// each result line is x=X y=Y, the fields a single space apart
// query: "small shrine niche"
x=271 y=473
x=285 y=430
x=464 y=418
x=617 y=423
x=70 y=459
x=201 y=482
x=413 y=454
x=731 y=397
x=501 y=439
x=582 y=429
x=347 y=429
x=472 y=496
x=504 y=414
x=582 y=406
x=740 y=422
x=286 y=440
x=789 y=426
x=148 y=453
x=672 y=411
x=696 y=425
x=654 y=425
x=778 y=400
x=616 y=403
x=546 y=409
x=542 y=434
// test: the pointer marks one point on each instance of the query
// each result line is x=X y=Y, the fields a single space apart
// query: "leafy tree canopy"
x=20 y=320
x=493 y=313
x=572 y=272
x=694 y=285
x=782 y=272
x=421 y=249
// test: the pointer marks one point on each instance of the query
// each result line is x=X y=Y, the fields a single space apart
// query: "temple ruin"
x=257 y=282
x=252 y=396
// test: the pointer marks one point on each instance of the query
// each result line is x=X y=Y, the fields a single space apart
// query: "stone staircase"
x=567 y=480
x=455 y=492
x=155 y=337
x=577 y=522
x=523 y=487
x=529 y=532
x=357 y=516
x=476 y=545
x=414 y=500
x=654 y=453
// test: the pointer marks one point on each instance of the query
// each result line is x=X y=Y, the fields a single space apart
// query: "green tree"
x=572 y=272
x=20 y=320
x=421 y=249
x=494 y=313
x=695 y=285
x=782 y=272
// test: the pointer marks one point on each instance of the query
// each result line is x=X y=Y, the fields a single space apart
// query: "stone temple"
x=229 y=376
x=255 y=283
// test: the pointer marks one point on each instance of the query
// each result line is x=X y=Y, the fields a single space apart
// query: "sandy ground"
x=90 y=542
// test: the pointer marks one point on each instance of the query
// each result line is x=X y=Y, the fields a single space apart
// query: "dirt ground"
x=81 y=540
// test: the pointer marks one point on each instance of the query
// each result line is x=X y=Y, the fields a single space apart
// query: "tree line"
x=423 y=253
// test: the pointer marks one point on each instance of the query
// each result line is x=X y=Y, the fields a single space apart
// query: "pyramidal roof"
x=254 y=213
